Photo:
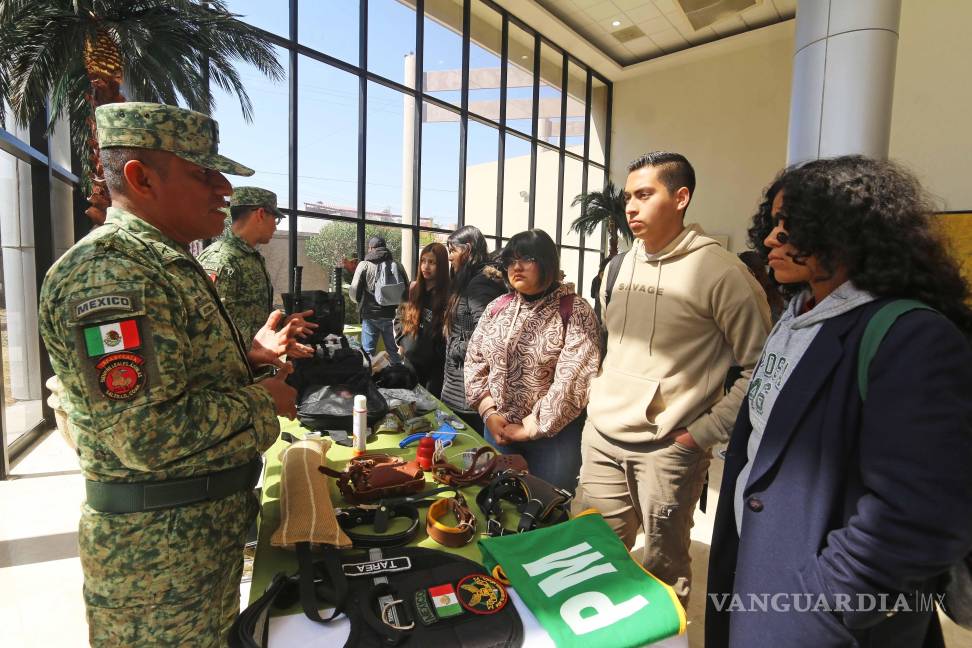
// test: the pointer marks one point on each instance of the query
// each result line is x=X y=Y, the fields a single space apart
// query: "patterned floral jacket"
x=522 y=361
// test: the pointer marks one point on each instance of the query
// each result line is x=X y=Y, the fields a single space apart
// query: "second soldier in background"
x=233 y=263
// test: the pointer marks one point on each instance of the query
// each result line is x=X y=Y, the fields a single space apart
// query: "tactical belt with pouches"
x=385 y=595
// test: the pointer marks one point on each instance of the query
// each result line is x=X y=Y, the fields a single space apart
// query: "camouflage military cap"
x=255 y=197
x=191 y=135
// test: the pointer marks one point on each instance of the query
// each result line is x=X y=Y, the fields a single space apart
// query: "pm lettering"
x=571 y=567
x=108 y=302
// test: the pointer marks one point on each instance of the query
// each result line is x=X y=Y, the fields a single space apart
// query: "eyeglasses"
x=527 y=260
x=783 y=238
x=279 y=219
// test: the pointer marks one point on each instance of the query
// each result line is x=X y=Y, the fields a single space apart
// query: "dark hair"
x=674 y=170
x=239 y=211
x=538 y=245
x=757 y=268
x=439 y=289
x=113 y=161
x=472 y=241
x=872 y=218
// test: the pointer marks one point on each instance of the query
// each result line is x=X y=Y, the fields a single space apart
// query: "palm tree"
x=603 y=208
x=80 y=52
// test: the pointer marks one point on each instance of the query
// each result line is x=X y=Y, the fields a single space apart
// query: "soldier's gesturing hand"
x=298 y=321
x=269 y=344
x=297 y=327
x=284 y=396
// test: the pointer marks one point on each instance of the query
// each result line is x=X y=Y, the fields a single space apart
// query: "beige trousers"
x=650 y=486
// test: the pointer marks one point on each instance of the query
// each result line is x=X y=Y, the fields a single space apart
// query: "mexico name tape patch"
x=120 y=375
x=111 y=338
x=105 y=302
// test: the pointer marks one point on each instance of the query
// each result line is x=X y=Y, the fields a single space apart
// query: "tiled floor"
x=40 y=574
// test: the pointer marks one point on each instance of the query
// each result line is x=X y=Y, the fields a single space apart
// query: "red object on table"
x=426 y=448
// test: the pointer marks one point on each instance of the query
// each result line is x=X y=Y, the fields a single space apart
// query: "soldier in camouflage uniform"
x=158 y=387
x=234 y=265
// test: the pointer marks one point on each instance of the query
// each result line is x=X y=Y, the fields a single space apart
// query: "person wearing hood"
x=377 y=319
x=531 y=360
x=847 y=493
x=683 y=310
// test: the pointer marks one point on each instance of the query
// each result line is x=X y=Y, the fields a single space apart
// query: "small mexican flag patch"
x=445 y=601
x=109 y=338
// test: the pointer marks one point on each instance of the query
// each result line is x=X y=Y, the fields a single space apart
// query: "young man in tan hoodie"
x=682 y=311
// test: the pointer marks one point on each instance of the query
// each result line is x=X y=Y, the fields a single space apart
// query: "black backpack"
x=327 y=384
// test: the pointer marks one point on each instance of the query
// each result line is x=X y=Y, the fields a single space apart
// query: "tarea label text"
x=378 y=566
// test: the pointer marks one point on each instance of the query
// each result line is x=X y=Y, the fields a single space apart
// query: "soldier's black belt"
x=116 y=497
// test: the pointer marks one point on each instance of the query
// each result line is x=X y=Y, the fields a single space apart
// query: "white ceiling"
x=665 y=26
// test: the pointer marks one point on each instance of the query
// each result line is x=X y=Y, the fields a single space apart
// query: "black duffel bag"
x=393 y=597
x=327 y=384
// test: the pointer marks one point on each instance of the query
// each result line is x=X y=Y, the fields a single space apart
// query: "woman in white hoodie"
x=847 y=490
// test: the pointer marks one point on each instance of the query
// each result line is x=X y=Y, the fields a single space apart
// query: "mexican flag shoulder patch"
x=111 y=338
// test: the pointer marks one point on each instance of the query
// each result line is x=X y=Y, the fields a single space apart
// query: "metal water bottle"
x=359 y=424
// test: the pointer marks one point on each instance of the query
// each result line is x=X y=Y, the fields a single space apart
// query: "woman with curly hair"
x=422 y=342
x=847 y=490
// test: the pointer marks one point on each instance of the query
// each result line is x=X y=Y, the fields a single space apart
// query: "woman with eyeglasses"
x=475 y=283
x=531 y=361
x=847 y=489
x=422 y=342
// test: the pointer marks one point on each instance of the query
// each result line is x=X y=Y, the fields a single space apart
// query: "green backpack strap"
x=877 y=328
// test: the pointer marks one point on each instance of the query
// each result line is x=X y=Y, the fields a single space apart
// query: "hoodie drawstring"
x=654 y=305
x=627 y=295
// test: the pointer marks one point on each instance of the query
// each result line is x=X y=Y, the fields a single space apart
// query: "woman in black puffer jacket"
x=475 y=283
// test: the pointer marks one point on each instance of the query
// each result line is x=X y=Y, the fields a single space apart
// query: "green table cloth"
x=269 y=559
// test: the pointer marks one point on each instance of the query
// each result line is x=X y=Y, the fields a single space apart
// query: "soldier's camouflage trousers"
x=165 y=578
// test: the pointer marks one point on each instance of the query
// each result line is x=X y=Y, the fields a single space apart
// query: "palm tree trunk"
x=102 y=62
x=613 y=241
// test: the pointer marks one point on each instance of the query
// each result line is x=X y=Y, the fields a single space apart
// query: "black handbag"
x=398 y=376
x=326 y=385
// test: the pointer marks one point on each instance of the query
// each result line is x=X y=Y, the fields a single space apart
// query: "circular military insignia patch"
x=120 y=375
x=481 y=594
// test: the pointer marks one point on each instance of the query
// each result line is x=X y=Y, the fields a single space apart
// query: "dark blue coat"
x=848 y=498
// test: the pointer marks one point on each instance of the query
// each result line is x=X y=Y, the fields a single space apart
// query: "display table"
x=291 y=627
x=269 y=560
